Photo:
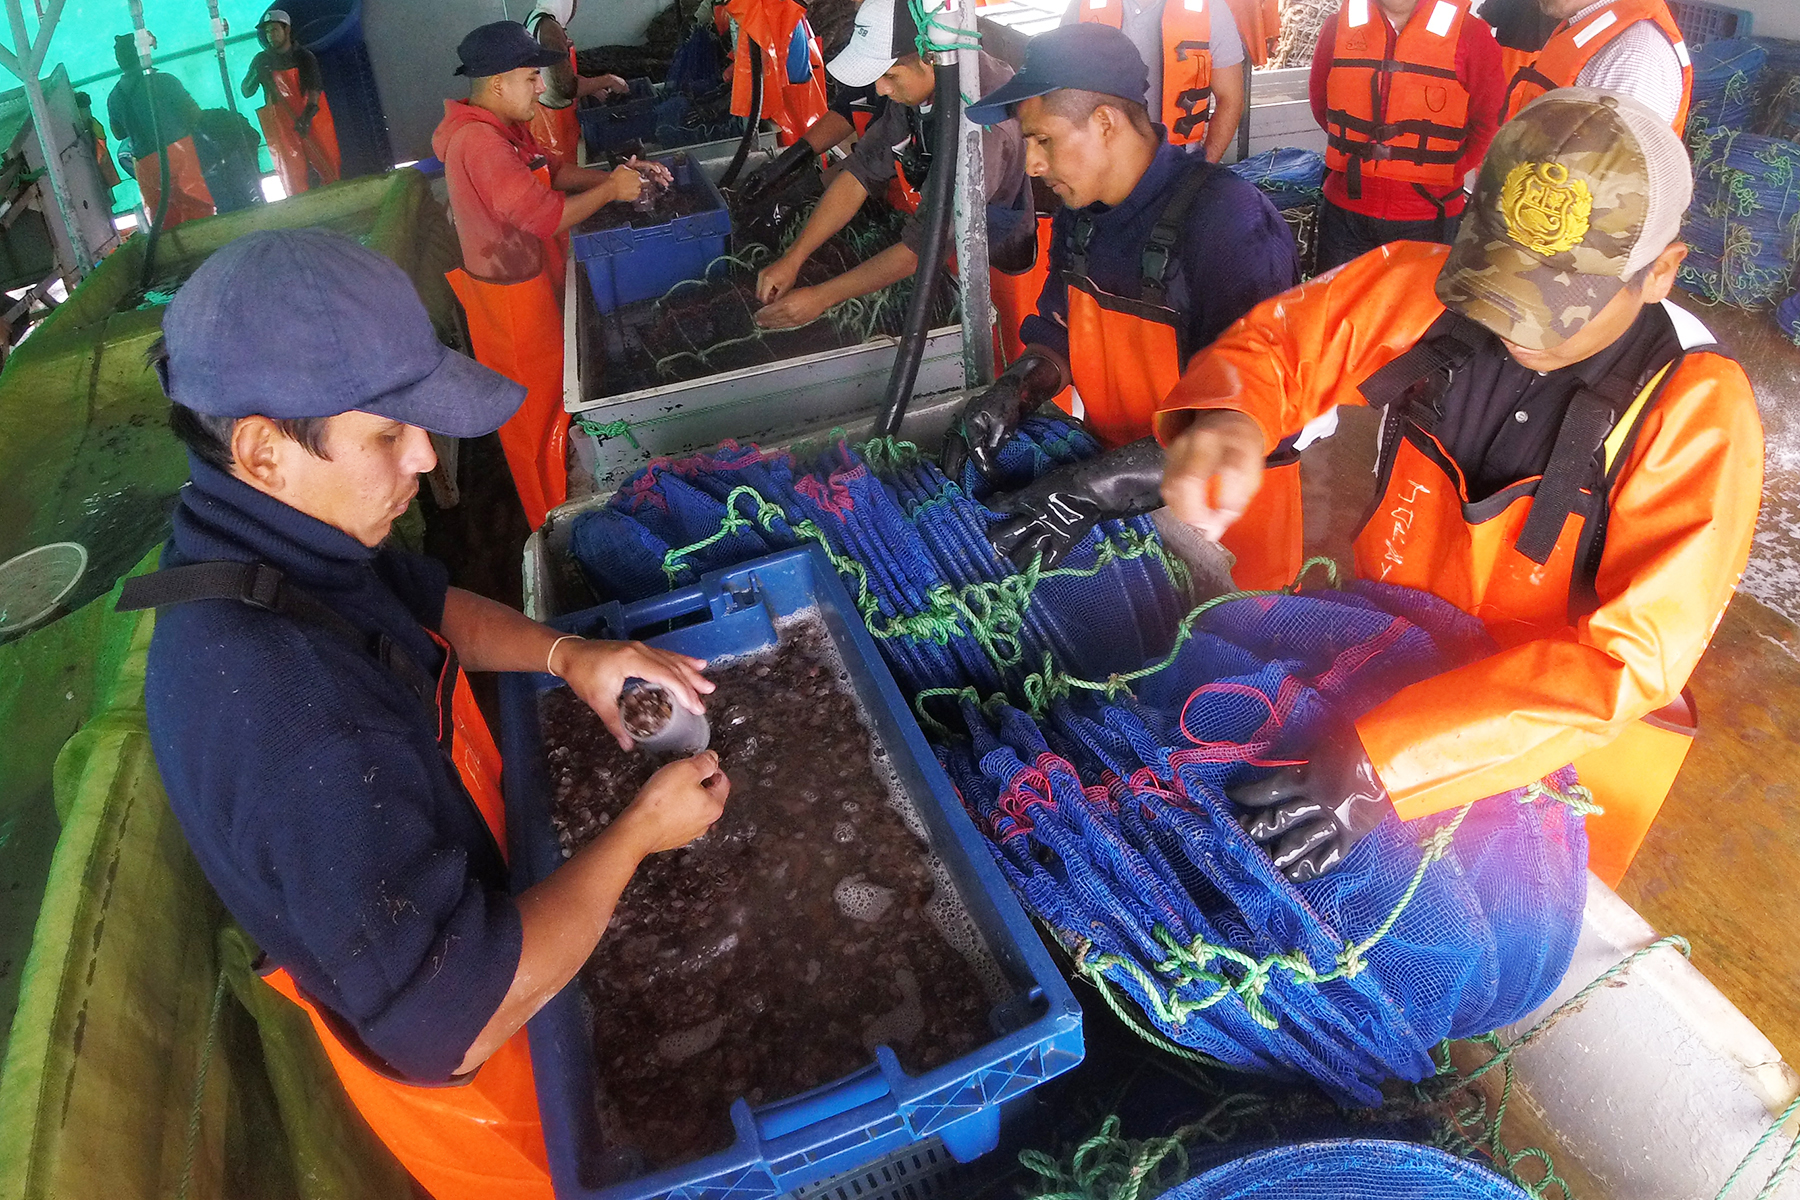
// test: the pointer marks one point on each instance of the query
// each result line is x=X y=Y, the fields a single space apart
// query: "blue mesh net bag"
x=1726 y=73
x=1353 y=1169
x=1108 y=815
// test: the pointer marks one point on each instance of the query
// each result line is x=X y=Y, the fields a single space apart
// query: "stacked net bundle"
x=1108 y=816
x=1743 y=227
x=1778 y=100
x=1350 y=1169
x=947 y=612
x=1091 y=719
x=1290 y=175
x=1726 y=75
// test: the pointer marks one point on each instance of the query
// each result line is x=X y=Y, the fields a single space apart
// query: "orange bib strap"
x=516 y=329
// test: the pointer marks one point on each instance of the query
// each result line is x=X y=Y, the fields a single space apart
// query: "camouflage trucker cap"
x=1578 y=193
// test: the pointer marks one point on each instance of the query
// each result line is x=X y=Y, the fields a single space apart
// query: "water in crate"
x=808 y=926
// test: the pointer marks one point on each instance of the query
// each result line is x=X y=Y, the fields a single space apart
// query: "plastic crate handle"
x=646 y=613
x=784 y=1117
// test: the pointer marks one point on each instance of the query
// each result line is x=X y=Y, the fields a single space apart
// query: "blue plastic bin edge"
x=811 y=1137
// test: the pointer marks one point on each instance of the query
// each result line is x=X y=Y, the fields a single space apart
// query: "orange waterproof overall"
x=1571 y=47
x=292 y=152
x=557 y=131
x=190 y=200
x=481 y=1138
x=517 y=330
x=766 y=27
x=1014 y=295
x=1186 y=62
x=1600 y=581
x=1125 y=356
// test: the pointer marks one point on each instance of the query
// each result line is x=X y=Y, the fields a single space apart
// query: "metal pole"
x=971 y=211
x=28 y=57
x=221 y=31
x=1243 y=137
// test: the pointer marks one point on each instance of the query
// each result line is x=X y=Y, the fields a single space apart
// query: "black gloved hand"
x=303 y=122
x=991 y=416
x=1055 y=512
x=1309 y=816
x=772 y=174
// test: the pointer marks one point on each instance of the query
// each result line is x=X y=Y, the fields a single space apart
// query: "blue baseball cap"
x=289 y=323
x=1089 y=55
x=502 y=46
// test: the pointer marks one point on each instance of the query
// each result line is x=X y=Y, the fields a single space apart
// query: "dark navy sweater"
x=309 y=782
x=1234 y=252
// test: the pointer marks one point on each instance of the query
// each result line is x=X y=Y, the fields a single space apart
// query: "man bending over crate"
x=892 y=160
x=313 y=726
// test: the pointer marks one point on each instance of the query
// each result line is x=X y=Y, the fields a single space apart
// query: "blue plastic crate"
x=626 y=263
x=1701 y=22
x=607 y=127
x=878 y=1109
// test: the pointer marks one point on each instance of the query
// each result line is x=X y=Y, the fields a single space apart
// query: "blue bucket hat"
x=502 y=46
x=297 y=323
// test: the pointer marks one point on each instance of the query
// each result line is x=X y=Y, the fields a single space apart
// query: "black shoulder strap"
x=262 y=586
x=1157 y=262
x=1448 y=343
x=1585 y=424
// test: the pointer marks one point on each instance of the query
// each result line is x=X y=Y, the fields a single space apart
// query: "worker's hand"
x=597 y=670
x=1057 y=511
x=1309 y=816
x=794 y=309
x=988 y=418
x=612 y=85
x=681 y=802
x=654 y=172
x=1215 y=466
x=623 y=185
x=303 y=123
x=777 y=279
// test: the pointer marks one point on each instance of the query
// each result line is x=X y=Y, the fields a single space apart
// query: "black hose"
x=940 y=205
x=756 y=106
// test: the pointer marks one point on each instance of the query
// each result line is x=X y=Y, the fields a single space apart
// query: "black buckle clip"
x=261 y=587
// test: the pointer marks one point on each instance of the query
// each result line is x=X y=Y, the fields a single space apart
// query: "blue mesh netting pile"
x=1091 y=720
x=1743 y=227
x=1357 y=1169
x=1726 y=74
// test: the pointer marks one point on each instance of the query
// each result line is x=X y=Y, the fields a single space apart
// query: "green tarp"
x=146 y=1059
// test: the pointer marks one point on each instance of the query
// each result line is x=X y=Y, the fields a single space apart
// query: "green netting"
x=145 y=1059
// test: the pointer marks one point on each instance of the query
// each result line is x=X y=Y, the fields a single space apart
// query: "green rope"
x=1109 y=1167
x=192 y=1142
x=1781 y=1169
x=610 y=429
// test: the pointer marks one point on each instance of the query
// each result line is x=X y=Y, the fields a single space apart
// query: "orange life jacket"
x=1186 y=62
x=292 y=151
x=481 y=1137
x=1571 y=46
x=1399 y=113
x=517 y=330
x=1525 y=560
x=1125 y=356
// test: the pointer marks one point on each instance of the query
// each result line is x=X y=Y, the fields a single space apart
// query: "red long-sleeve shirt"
x=1477 y=66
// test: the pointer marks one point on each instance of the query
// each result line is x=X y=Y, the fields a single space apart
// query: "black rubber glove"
x=303 y=122
x=771 y=175
x=1309 y=816
x=1055 y=512
x=991 y=416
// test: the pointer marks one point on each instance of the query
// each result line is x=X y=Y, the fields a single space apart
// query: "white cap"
x=871 y=49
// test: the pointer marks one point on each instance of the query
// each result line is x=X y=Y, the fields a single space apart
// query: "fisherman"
x=1565 y=455
x=555 y=126
x=1408 y=93
x=295 y=115
x=1195 y=52
x=150 y=112
x=313 y=726
x=1629 y=47
x=893 y=159
x=1153 y=254
x=511 y=212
